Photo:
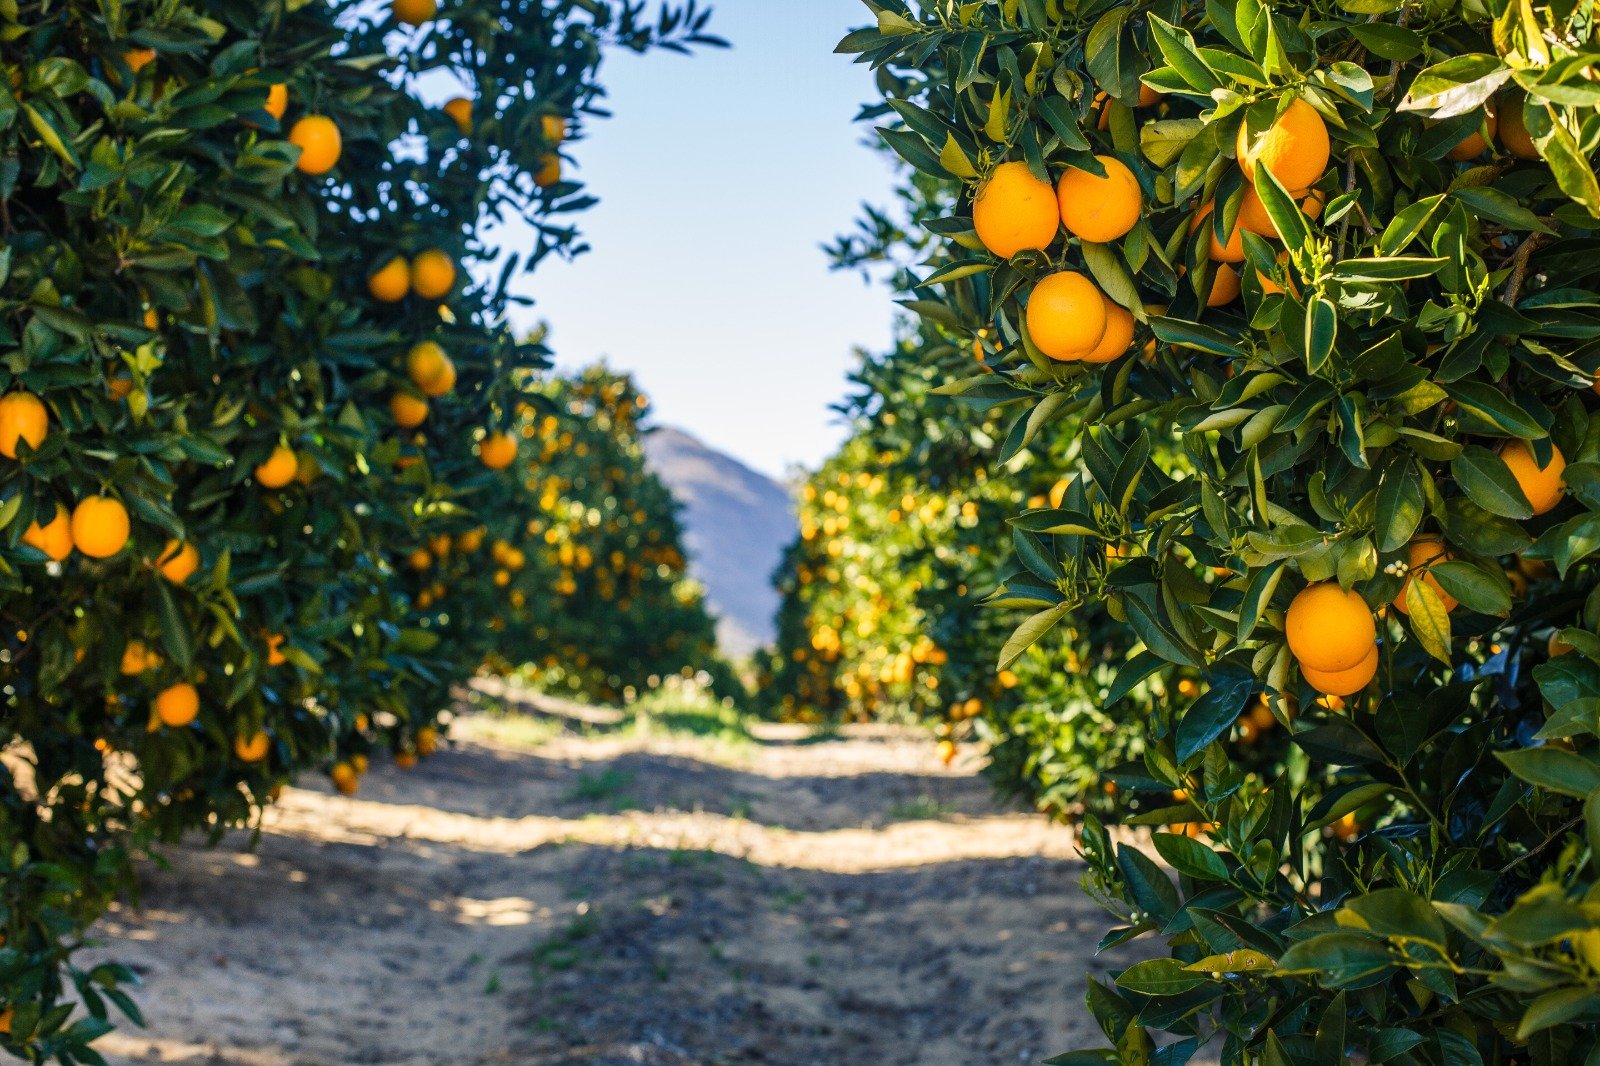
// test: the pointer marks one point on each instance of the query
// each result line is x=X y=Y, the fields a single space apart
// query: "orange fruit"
x=358 y=763
x=502 y=578
x=1423 y=552
x=1253 y=213
x=177 y=705
x=553 y=127
x=430 y=369
x=252 y=748
x=1295 y=147
x=1269 y=285
x=549 y=172
x=497 y=450
x=1099 y=209
x=1015 y=211
x=1542 y=487
x=1066 y=315
x=1117 y=338
x=139 y=58
x=1556 y=646
x=1233 y=251
x=1513 y=129
x=275 y=656
x=1224 y=286
x=319 y=142
x=1149 y=96
x=427 y=740
x=414 y=12
x=392 y=281
x=408 y=411
x=420 y=559
x=1475 y=143
x=1343 y=682
x=54 y=538
x=150 y=319
x=178 y=560
x=472 y=539
x=120 y=386
x=22 y=418
x=460 y=109
x=433 y=274
x=277 y=100
x=279 y=469
x=345 y=778
x=405 y=760
x=99 y=527
x=137 y=658
x=1329 y=629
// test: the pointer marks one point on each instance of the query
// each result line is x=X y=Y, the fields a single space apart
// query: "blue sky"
x=719 y=176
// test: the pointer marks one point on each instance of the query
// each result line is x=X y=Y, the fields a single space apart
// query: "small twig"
x=1551 y=839
x=1519 y=266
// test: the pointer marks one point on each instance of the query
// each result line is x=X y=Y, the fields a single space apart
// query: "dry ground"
x=541 y=896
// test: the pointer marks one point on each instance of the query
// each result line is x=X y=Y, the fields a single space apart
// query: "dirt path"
x=618 y=899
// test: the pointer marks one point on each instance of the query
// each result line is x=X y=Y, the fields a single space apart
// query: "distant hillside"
x=737 y=523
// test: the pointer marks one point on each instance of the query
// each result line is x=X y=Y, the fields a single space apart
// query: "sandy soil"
x=618 y=899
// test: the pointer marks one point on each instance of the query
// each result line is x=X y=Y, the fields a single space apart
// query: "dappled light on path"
x=611 y=896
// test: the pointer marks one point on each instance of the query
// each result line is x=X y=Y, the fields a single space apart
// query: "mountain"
x=737 y=523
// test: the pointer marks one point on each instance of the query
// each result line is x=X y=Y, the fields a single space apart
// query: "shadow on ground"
x=345 y=940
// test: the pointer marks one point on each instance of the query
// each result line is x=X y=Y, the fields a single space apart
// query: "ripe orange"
x=433 y=274
x=472 y=539
x=139 y=58
x=1118 y=336
x=279 y=469
x=177 y=705
x=1099 y=209
x=99 y=527
x=252 y=748
x=1224 y=286
x=1015 y=211
x=408 y=411
x=358 y=763
x=319 y=142
x=1329 y=629
x=1295 y=147
x=497 y=450
x=1555 y=646
x=460 y=109
x=502 y=578
x=22 y=418
x=1542 y=487
x=554 y=128
x=1066 y=316
x=1514 y=127
x=430 y=369
x=415 y=12
x=549 y=172
x=1233 y=251
x=1423 y=552
x=120 y=386
x=137 y=658
x=405 y=760
x=427 y=740
x=1253 y=213
x=275 y=656
x=277 y=100
x=345 y=778
x=392 y=281
x=1343 y=682
x=1475 y=143
x=54 y=538
x=178 y=560
x=420 y=559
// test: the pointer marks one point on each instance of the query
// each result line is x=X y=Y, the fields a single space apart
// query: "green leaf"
x=1029 y=632
x=1430 y=622
x=1456 y=86
x=1399 y=505
x=1553 y=770
x=1159 y=977
x=1556 y=1008
x=1338 y=960
x=1190 y=857
x=1489 y=483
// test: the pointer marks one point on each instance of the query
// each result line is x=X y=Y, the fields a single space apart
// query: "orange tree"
x=587 y=583
x=1357 y=234
x=208 y=481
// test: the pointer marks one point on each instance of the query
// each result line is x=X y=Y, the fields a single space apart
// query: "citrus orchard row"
x=1333 y=467
x=206 y=500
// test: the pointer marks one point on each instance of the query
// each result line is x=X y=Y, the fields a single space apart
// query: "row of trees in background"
x=1292 y=309
x=276 y=473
